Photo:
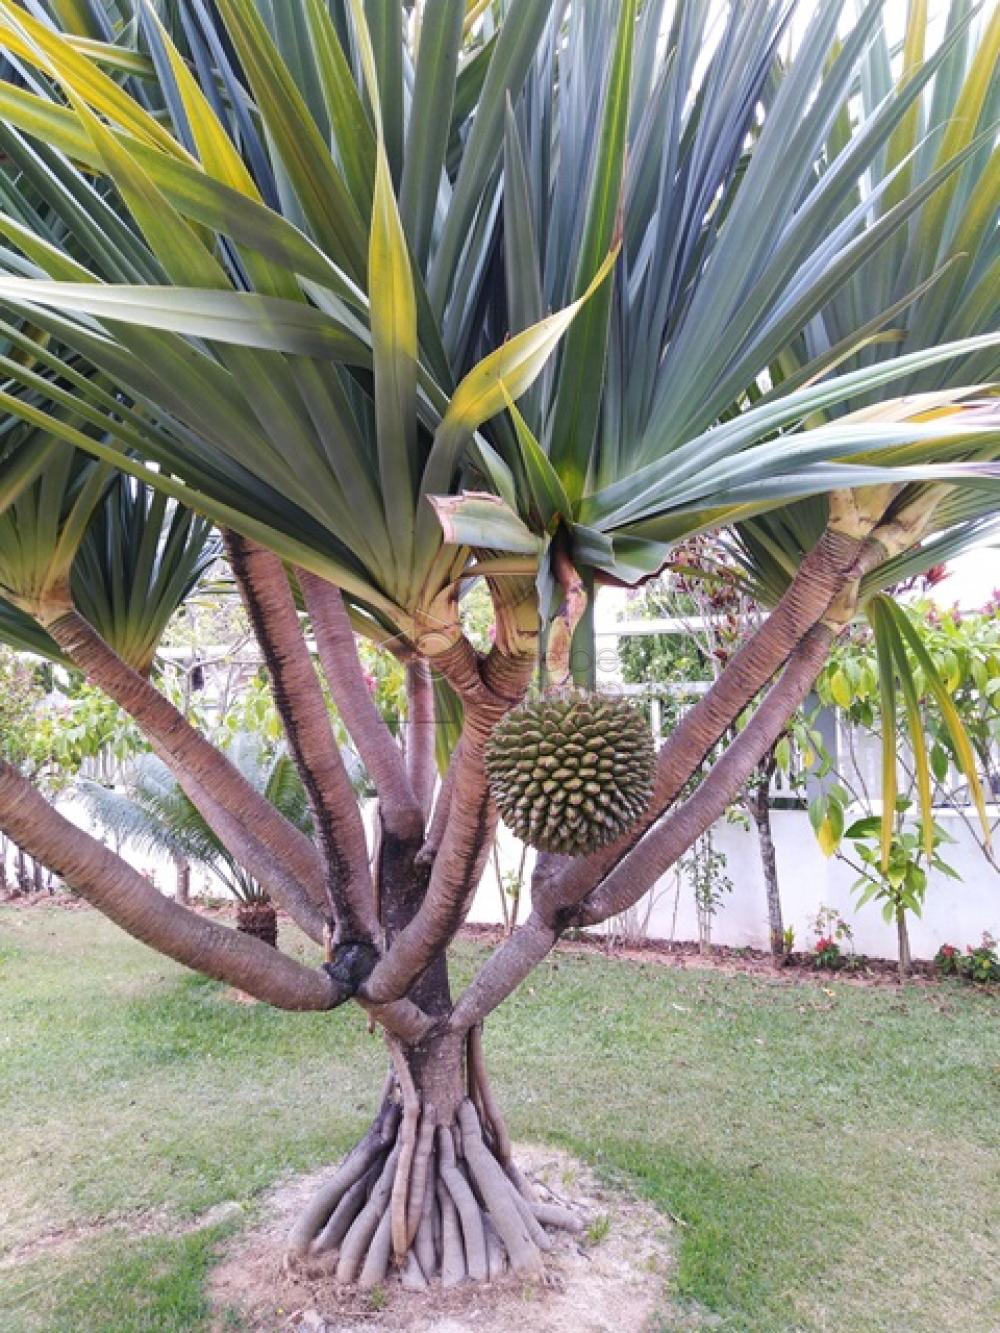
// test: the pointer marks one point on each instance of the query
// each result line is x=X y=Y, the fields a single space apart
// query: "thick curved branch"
x=662 y=846
x=508 y=966
x=262 y=864
x=274 y=617
x=439 y=818
x=503 y=972
x=338 y=655
x=457 y=869
x=123 y=895
x=401 y=1018
x=273 y=850
x=487 y=691
x=421 y=763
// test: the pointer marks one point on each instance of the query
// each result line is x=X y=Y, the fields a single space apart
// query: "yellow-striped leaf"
x=956 y=729
x=393 y=317
x=46 y=50
x=514 y=367
x=887 y=703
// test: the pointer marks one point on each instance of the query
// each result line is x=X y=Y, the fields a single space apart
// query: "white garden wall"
x=955 y=913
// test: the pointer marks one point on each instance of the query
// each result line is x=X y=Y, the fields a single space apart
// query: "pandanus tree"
x=402 y=297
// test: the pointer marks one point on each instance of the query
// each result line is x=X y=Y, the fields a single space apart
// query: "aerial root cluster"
x=435 y=1201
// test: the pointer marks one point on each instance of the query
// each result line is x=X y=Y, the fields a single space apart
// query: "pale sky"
x=972 y=579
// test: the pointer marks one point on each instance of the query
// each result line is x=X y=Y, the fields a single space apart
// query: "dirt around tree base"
x=611 y=1277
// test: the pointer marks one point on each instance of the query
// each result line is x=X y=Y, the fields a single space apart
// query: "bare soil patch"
x=62 y=1241
x=612 y=1277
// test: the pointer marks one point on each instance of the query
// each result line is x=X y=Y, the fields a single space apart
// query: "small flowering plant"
x=982 y=964
x=979 y=963
x=948 y=961
x=833 y=933
x=828 y=954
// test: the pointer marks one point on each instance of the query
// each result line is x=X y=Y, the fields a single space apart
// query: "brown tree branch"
x=503 y=972
x=456 y=872
x=121 y=894
x=263 y=863
x=338 y=655
x=637 y=870
x=273 y=850
x=274 y=617
x=402 y=1019
x=507 y=967
x=421 y=763
x=668 y=840
x=439 y=817
x=487 y=690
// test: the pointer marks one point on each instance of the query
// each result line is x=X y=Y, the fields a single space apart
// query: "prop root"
x=438 y=1202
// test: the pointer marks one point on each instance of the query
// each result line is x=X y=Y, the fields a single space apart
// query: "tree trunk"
x=182 y=891
x=903 y=938
x=760 y=810
x=258 y=919
x=431 y=1188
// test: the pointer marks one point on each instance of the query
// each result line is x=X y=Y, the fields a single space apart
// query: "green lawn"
x=830 y=1152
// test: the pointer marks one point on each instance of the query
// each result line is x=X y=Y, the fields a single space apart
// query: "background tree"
x=939 y=676
x=706 y=594
x=294 y=275
x=152 y=813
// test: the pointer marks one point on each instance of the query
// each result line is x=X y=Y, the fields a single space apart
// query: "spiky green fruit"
x=571 y=771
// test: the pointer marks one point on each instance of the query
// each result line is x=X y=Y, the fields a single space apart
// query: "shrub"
x=828 y=954
x=948 y=961
x=982 y=964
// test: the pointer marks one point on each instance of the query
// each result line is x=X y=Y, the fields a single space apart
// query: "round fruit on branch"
x=572 y=770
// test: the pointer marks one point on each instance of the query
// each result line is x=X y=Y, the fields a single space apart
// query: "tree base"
x=441 y=1203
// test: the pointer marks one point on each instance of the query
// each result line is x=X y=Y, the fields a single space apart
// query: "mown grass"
x=829 y=1153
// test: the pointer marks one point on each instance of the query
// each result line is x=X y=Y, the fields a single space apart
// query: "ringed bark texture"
x=821 y=576
x=271 y=608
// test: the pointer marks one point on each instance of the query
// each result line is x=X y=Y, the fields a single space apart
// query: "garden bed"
x=795 y=967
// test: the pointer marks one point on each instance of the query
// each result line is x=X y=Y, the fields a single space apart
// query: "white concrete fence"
x=954 y=913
